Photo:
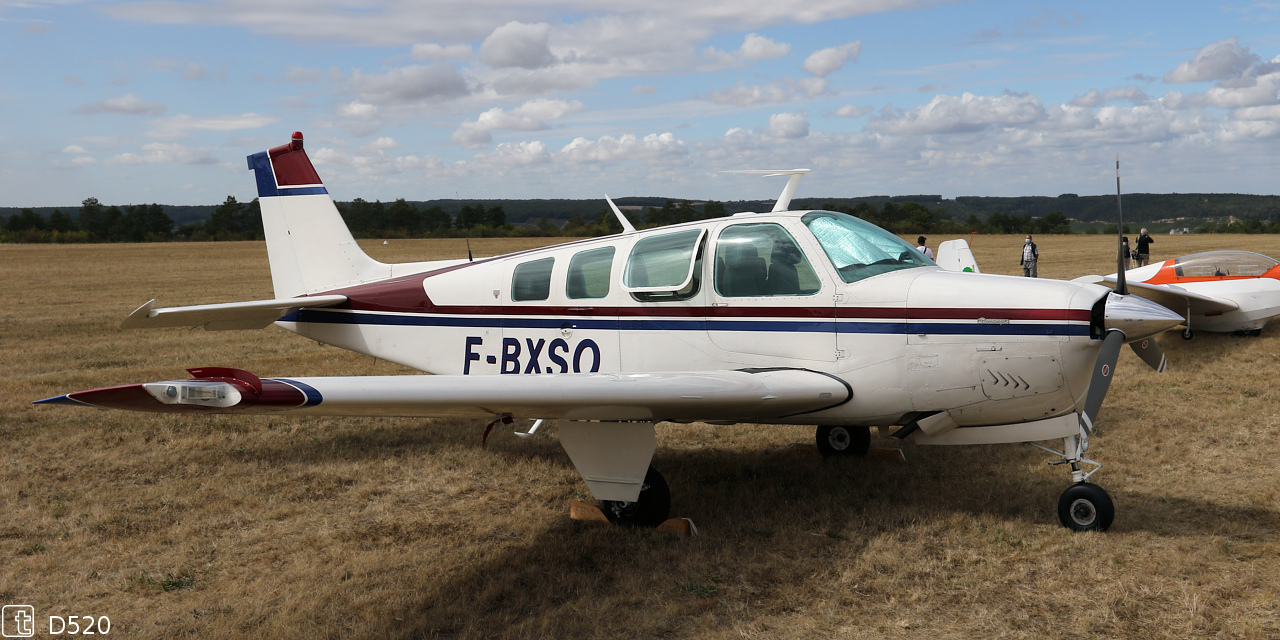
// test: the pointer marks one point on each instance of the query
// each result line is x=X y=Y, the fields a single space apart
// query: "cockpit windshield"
x=1223 y=263
x=860 y=250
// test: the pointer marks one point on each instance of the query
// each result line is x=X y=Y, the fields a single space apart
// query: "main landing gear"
x=843 y=441
x=649 y=510
x=1083 y=506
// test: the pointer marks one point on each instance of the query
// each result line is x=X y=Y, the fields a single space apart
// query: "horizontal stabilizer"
x=255 y=314
x=1169 y=296
x=741 y=396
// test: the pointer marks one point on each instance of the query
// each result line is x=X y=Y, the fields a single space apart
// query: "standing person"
x=1030 y=255
x=928 y=253
x=1144 y=249
x=1124 y=251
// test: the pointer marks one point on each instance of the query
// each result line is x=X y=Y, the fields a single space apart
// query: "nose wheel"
x=1086 y=507
x=843 y=441
x=1083 y=506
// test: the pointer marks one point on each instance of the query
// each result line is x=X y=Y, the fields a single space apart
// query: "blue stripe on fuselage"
x=313 y=397
x=318 y=316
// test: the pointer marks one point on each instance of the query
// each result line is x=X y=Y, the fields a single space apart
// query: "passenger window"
x=589 y=274
x=754 y=260
x=532 y=280
x=660 y=263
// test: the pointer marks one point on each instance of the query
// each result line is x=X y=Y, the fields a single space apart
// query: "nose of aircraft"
x=1138 y=317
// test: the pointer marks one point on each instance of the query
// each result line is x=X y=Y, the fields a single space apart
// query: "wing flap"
x=254 y=314
x=681 y=396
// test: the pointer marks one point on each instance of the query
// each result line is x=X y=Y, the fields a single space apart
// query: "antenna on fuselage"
x=466 y=232
x=788 y=191
x=626 y=224
x=1122 y=287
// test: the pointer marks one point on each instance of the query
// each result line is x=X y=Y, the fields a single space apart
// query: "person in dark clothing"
x=1124 y=252
x=1144 y=249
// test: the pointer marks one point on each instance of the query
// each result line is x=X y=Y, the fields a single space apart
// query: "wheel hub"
x=839 y=439
x=1083 y=512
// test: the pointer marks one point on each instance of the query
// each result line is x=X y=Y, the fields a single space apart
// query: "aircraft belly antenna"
x=626 y=225
x=788 y=191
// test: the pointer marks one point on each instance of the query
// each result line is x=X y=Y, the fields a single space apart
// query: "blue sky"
x=160 y=101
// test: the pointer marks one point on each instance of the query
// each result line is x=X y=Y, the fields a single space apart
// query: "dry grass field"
x=278 y=527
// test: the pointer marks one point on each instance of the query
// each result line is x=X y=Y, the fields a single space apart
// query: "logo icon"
x=19 y=621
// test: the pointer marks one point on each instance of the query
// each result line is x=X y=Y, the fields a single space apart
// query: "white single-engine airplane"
x=784 y=317
x=1218 y=290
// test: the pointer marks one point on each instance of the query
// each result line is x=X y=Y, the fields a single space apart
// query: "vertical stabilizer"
x=308 y=244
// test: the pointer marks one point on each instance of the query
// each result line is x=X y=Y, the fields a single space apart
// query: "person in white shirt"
x=1030 y=254
x=928 y=253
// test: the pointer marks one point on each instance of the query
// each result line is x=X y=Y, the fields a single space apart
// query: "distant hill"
x=1138 y=207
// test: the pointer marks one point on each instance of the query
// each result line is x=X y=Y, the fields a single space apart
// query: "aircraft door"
x=662 y=307
x=560 y=316
x=767 y=302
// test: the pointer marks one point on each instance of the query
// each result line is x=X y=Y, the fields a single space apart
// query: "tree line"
x=234 y=220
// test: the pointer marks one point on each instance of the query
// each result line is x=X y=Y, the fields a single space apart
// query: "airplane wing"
x=255 y=314
x=743 y=395
x=1170 y=296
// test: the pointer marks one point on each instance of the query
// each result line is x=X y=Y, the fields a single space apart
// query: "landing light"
x=198 y=392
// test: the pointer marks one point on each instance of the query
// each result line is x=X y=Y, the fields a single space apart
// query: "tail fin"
x=955 y=255
x=308 y=244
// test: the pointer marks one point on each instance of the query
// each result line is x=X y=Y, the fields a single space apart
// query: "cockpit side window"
x=860 y=250
x=754 y=260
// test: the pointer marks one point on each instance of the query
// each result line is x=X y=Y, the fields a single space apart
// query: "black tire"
x=1187 y=334
x=649 y=510
x=843 y=441
x=1086 y=507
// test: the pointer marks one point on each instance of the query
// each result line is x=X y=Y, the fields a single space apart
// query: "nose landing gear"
x=1083 y=506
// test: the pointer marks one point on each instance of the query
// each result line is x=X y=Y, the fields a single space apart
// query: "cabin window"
x=1222 y=264
x=665 y=262
x=589 y=274
x=860 y=250
x=532 y=280
x=755 y=260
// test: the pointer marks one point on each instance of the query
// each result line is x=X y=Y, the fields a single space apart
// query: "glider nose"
x=1138 y=318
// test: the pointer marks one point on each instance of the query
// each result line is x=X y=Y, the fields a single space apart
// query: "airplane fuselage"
x=762 y=291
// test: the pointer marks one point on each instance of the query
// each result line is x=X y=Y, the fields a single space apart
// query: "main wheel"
x=1186 y=333
x=843 y=441
x=1086 y=507
x=649 y=510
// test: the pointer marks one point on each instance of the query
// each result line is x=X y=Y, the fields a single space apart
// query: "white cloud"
x=384 y=143
x=83 y=161
x=410 y=84
x=1094 y=98
x=780 y=90
x=1218 y=61
x=852 y=111
x=157 y=153
x=181 y=126
x=824 y=62
x=788 y=125
x=128 y=104
x=644 y=89
x=433 y=51
x=75 y=148
x=757 y=47
x=626 y=147
x=357 y=109
x=966 y=113
x=530 y=116
x=516 y=44
x=1269 y=112
x=517 y=153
